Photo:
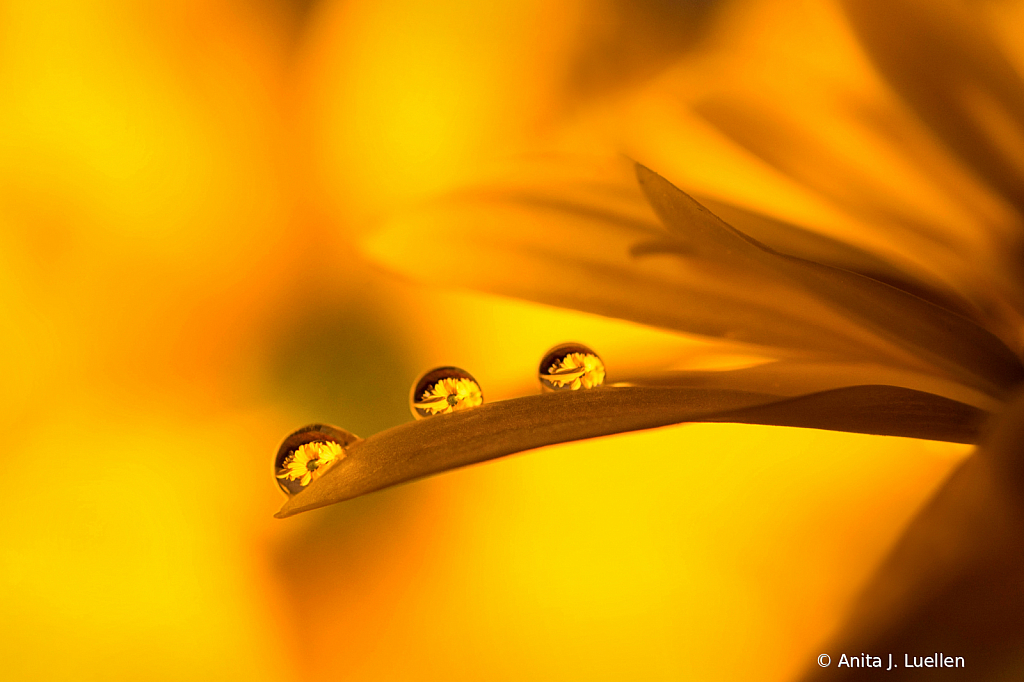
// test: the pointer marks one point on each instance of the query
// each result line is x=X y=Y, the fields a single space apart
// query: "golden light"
x=187 y=196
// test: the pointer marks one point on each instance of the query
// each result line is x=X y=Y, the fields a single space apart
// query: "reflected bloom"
x=309 y=461
x=449 y=395
x=575 y=371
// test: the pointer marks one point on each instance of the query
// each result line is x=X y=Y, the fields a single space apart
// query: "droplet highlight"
x=308 y=453
x=444 y=390
x=570 y=367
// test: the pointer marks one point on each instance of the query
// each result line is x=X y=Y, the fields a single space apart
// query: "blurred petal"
x=597 y=251
x=572 y=256
x=793 y=240
x=916 y=329
x=950 y=71
x=450 y=441
x=575 y=247
x=953 y=582
x=831 y=145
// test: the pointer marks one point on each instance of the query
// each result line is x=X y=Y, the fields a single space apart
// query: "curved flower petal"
x=906 y=328
x=599 y=253
x=868 y=164
x=575 y=256
x=793 y=240
x=503 y=428
x=988 y=294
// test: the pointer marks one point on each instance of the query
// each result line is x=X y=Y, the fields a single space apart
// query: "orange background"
x=182 y=186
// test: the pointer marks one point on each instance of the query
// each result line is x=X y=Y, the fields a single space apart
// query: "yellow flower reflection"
x=309 y=461
x=450 y=395
x=576 y=371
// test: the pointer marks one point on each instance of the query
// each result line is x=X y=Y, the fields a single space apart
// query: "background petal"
x=582 y=246
x=952 y=583
x=920 y=329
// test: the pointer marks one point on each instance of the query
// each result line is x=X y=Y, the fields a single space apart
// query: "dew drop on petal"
x=306 y=454
x=444 y=390
x=570 y=367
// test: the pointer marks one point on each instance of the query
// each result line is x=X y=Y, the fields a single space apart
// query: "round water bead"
x=444 y=390
x=570 y=367
x=307 y=453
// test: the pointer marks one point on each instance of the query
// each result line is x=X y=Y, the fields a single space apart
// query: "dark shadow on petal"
x=812 y=163
x=627 y=41
x=915 y=330
x=569 y=246
x=955 y=581
x=956 y=80
x=793 y=240
x=656 y=247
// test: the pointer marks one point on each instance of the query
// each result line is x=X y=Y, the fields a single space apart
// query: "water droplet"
x=305 y=455
x=444 y=390
x=570 y=367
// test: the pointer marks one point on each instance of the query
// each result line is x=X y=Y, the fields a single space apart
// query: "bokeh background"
x=183 y=188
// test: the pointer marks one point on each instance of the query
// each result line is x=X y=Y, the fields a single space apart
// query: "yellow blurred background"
x=182 y=188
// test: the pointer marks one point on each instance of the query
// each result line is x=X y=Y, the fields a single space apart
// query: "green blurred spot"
x=344 y=367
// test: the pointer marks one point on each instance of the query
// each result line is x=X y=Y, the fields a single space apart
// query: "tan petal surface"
x=796 y=377
x=450 y=441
